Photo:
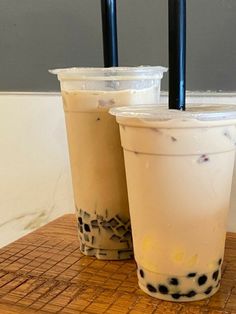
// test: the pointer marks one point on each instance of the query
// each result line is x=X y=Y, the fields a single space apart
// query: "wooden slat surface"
x=44 y=272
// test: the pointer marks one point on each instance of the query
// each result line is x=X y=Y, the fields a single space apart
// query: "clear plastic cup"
x=96 y=155
x=179 y=168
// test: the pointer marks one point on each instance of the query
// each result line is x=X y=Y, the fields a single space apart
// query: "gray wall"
x=37 y=35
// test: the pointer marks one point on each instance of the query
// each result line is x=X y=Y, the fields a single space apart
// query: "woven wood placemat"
x=44 y=272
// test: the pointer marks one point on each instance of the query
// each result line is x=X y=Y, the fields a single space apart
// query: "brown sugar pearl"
x=163 y=289
x=190 y=275
x=202 y=280
x=191 y=294
x=151 y=288
x=208 y=290
x=141 y=272
x=176 y=296
x=174 y=281
x=215 y=275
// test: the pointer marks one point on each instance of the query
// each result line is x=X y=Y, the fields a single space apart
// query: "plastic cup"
x=179 y=168
x=96 y=155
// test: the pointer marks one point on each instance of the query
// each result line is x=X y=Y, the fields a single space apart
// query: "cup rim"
x=161 y=113
x=110 y=74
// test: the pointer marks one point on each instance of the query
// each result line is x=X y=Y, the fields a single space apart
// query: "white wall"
x=35 y=182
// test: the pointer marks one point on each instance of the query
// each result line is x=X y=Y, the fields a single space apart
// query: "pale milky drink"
x=96 y=155
x=179 y=168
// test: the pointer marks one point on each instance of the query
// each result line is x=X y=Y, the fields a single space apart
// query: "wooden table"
x=44 y=272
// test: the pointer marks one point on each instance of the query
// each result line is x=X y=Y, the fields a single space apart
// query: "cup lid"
x=202 y=112
x=110 y=74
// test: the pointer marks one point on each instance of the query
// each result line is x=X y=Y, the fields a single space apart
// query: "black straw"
x=177 y=54
x=109 y=29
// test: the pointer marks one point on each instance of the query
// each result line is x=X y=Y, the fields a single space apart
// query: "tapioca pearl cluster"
x=209 y=281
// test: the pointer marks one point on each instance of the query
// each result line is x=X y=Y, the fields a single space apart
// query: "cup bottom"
x=177 y=297
x=105 y=254
x=191 y=286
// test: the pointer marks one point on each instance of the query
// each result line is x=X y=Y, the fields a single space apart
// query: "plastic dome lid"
x=112 y=73
x=204 y=112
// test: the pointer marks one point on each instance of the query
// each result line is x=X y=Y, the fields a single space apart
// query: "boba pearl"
x=220 y=261
x=190 y=275
x=141 y=272
x=151 y=288
x=163 y=289
x=174 y=281
x=202 y=280
x=176 y=296
x=208 y=290
x=191 y=294
x=80 y=220
x=215 y=275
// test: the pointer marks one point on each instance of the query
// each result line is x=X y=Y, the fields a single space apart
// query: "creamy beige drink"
x=96 y=157
x=179 y=169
